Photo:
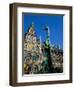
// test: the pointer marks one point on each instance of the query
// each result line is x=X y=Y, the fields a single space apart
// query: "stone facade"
x=57 y=59
x=32 y=52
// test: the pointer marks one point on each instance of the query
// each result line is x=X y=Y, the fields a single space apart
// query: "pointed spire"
x=48 y=43
x=32 y=24
x=48 y=30
x=40 y=44
x=40 y=39
x=59 y=46
x=31 y=30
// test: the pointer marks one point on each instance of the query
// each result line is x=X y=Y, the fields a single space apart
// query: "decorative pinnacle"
x=33 y=24
x=48 y=30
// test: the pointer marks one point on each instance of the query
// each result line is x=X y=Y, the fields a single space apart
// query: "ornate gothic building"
x=40 y=58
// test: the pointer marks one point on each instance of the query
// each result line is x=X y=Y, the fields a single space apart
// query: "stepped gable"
x=32 y=50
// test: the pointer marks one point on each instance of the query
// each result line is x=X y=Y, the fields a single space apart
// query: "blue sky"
x=55 y=23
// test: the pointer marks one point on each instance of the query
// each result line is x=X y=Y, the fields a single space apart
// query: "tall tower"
x=48 y=61
x=48 y=36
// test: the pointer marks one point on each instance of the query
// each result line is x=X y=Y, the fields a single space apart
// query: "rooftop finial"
x=32 y=24
x=48 y=31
